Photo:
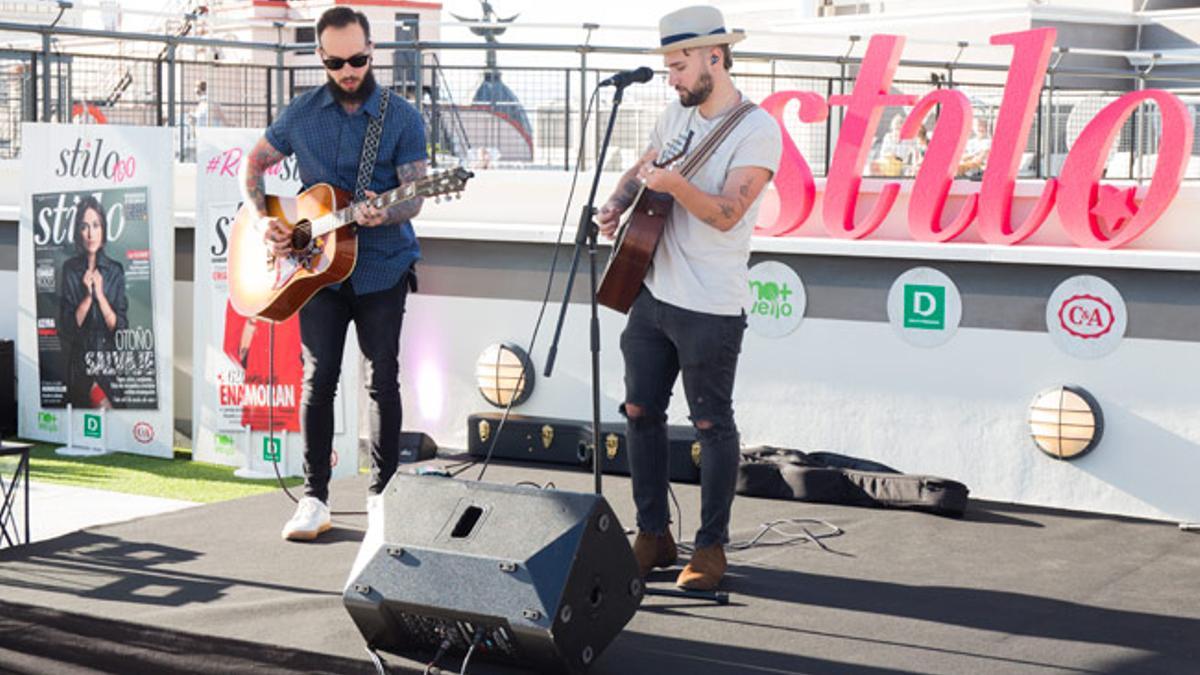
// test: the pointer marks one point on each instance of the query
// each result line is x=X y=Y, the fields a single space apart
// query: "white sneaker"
x=311 y=519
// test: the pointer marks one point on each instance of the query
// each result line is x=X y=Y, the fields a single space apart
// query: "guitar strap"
x=713 y=140
x=370 y=148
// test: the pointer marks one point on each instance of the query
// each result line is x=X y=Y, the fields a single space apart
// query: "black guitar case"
x=780 y=473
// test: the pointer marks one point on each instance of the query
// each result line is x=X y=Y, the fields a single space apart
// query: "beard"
x=694 y=97
x=360 y=94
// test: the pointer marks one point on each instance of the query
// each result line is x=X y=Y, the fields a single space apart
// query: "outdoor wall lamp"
x=1066 y=422
x=504 y=374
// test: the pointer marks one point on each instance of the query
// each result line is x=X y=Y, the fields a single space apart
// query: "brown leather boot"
x=704 y=571
x=654 y=550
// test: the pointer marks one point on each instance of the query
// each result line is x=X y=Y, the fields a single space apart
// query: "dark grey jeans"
x=323 y=325
x=661 y=341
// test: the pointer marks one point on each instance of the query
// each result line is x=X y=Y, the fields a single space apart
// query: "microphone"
x=627 y=77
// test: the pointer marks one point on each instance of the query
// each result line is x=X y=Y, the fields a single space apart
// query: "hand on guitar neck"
x=279 y=236
x=366 y=214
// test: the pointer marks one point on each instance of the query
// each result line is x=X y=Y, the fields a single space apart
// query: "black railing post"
x=30 y=111
x=171 y=97
x=270 y=106
x=47 y=106
x=158 y=91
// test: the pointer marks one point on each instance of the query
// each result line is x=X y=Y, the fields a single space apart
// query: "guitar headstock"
x=674 y=151
x=450 y=182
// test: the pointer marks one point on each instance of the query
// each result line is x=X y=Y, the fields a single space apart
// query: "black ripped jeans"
x=661 y=341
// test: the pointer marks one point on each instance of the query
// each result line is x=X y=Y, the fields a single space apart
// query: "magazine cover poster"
x=248 y=373
x=95 y=314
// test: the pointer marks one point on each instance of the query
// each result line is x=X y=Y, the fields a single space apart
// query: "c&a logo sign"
x=776 y=302
x=143 y=432
x=1086 y=317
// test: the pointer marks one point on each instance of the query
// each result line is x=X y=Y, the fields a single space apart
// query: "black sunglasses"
x=356 y=61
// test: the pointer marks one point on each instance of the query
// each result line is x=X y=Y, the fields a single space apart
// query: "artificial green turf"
x=177 y=478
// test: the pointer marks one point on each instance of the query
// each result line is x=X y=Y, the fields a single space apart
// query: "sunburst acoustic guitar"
x=637 y=238
x=324 y=248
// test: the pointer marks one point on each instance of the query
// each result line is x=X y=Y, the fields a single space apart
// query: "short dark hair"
x=340 y=17
x=89 y=203
x=725 y=52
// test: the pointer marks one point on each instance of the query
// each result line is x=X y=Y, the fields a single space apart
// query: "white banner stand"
x=256 y=469
x=72 y=450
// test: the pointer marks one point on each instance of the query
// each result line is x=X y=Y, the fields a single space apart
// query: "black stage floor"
x=1007 y=589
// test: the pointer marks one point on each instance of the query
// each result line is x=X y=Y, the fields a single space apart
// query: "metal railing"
x=533 y=121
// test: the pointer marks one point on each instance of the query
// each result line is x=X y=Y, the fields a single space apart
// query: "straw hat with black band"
x=691 y=27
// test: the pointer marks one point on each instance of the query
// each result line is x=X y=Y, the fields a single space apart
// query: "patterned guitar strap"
x=713 y=140
x=370 y=148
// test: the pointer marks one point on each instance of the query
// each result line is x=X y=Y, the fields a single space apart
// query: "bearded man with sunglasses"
x=325 y=128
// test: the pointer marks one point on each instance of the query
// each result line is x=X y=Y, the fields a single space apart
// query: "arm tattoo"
x=726 y=210
x=628 y=185
x=733 y=208
x=626 y=193
x=262 y=157
x=406 y=210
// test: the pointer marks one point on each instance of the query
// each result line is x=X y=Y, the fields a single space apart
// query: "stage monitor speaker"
x=416 y=446
x=544 y=579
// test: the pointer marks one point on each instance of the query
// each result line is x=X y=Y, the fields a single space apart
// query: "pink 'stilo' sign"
x=1092 y=215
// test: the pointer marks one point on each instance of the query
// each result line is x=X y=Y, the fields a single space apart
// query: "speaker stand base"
x=719 y=597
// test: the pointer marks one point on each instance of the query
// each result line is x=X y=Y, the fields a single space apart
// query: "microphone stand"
x=586 y=235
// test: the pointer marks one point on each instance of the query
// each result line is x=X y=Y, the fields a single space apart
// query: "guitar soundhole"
x=302 y=235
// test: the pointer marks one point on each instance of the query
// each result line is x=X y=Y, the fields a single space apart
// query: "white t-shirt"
x=696 y=266
x=976 y=145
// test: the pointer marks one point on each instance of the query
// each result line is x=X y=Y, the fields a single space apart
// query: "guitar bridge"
x=285 y=267
x=307 y=257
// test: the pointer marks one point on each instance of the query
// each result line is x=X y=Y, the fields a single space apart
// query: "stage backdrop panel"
x=96 y=255
x=235 y=405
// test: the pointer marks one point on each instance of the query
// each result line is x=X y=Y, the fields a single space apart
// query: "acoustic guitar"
x=637 y=238
x=324 y=247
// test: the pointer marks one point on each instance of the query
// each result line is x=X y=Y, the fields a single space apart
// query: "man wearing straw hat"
x=688 y=318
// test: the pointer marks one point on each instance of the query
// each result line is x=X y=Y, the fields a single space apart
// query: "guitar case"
x=827 y=477
x=683 y=451
x=528 y=438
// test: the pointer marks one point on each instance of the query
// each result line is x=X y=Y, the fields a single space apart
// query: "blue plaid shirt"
x=327 y=142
